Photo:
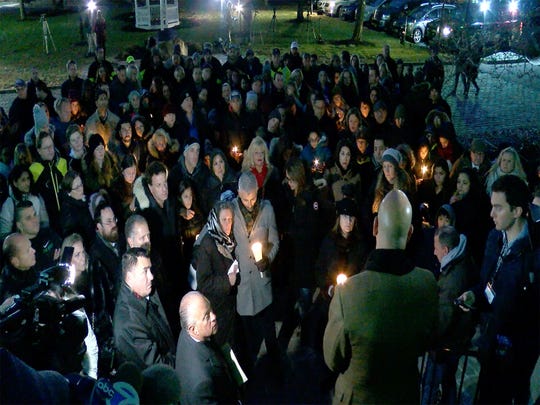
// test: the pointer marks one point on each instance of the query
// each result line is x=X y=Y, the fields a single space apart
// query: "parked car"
x=348 y=13
x=412 y=26
x=390 y=10
x=333 y=8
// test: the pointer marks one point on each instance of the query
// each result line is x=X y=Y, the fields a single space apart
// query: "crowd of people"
x=278 y=188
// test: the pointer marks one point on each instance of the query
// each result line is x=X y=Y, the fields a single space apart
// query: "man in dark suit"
x=204 y=374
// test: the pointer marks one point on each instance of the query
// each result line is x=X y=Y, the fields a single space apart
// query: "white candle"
x=341 y=278
x=424 y=170
x=256 y=248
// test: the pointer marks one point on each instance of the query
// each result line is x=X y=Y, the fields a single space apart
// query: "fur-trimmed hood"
x=140 y=191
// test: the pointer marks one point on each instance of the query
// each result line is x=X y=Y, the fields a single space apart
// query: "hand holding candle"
x=260 y=261
x=256 y=248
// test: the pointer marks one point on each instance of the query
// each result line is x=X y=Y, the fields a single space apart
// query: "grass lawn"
x=21 y=42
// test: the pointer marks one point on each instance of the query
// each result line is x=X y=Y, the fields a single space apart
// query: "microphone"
x=122 y=389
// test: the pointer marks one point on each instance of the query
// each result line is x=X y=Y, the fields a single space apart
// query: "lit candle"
x=424 y=170
x=341 y=278
x=256 y=248
x=235 y=150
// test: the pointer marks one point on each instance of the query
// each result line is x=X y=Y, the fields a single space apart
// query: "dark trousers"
x=256 y=328
x=298 y=305
x=440 y=371
x=504 y=380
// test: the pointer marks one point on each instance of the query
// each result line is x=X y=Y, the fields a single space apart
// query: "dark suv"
x=412 y=26
x=390 y=10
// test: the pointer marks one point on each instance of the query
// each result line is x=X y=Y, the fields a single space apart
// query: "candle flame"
x=341 y=278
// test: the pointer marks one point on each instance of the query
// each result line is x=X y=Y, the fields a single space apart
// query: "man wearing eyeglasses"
x=106 y=254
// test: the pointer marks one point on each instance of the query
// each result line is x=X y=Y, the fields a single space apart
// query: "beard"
x=111 y=236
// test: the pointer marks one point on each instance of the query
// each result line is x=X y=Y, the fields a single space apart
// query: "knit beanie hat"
x=40 y=119
x=251 y=96
x=393 y=156
x=275 y=114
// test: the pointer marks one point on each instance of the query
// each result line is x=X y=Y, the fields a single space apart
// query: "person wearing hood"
x=455 y=328
x=316 y=154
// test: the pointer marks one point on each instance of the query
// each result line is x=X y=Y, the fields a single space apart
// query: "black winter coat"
x=141 y=332
x=213 y=282
x=76 y=218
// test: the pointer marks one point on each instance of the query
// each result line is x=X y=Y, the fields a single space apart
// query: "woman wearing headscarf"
x=217 y=268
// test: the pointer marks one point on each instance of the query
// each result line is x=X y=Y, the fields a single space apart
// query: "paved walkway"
x=509 y=99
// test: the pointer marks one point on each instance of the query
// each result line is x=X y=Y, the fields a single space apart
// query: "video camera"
x=41 y=317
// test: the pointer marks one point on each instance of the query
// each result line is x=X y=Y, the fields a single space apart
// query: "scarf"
x=220 y=237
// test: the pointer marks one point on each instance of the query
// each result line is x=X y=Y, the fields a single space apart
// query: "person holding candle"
x=217 y=268
x=383 y=318
x=435 y=190
x=342 y=254
x=316 y=153
x=254 y=222
x=300 y=244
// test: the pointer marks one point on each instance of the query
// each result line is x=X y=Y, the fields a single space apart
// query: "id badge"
x=489 y=292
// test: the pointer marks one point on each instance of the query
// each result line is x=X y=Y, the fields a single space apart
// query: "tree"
x=300 y=10
x=359 y=24
x=22 y=10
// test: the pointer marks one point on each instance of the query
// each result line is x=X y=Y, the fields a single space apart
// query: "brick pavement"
x=509 y=98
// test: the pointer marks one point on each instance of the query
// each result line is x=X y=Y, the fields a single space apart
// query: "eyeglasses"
x=110 y=221
x=76 y=186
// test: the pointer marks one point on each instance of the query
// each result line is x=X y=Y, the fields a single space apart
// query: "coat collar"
x=390 y=261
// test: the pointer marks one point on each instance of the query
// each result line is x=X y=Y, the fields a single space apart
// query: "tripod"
x=273 y=22
x=46 y=34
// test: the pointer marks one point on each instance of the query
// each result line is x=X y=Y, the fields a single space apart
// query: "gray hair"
x=186 y=309
x=247 y=182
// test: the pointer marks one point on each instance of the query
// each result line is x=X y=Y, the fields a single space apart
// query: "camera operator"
x=45 y=241
x=19 y=271
x=38 y=319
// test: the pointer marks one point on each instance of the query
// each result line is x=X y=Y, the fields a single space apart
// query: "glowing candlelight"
x=235 y=150
x=341 y=278
x=256 y=248
x=424 y=170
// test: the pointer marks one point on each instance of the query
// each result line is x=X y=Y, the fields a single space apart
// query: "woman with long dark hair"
x=74 y=207
x=436 y=190
x=299 y=247
x=20 y=189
